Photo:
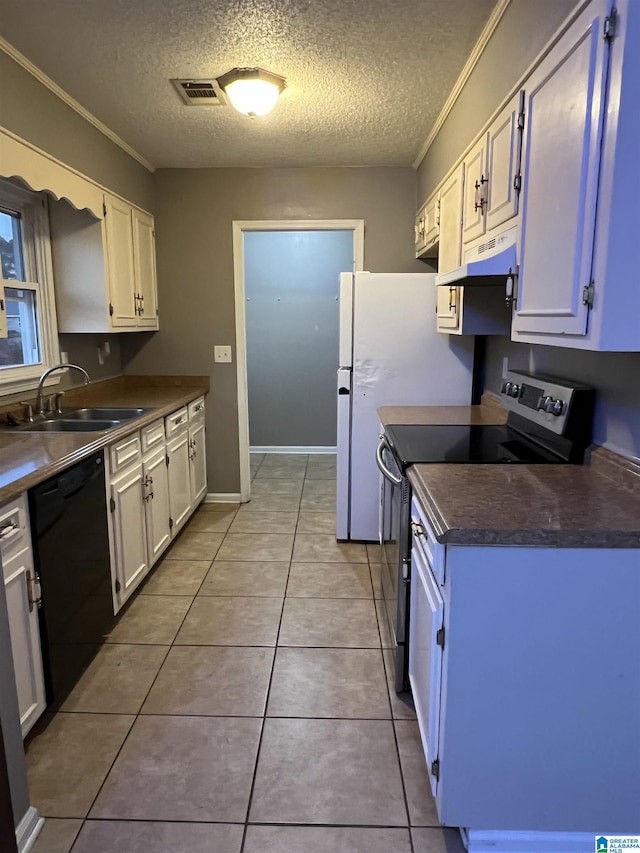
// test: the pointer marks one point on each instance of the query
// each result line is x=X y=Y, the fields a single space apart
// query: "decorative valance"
x=43 y=173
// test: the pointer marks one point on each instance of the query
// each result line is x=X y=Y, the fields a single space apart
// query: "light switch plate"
x=222 y=354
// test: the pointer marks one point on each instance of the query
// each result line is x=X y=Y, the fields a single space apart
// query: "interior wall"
x=83 y=350
x=523 y=31
x=292 y=322
x=34 y=113
x=194 y=214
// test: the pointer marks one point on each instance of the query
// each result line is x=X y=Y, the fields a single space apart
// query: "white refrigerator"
x=390 y=354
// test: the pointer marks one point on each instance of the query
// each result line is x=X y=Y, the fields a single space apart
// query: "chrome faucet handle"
x=29 y=412
x=54 y=403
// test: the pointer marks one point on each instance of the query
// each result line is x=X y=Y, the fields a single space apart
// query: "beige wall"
x=522 y=33
x=194 y=212
x=34 y=113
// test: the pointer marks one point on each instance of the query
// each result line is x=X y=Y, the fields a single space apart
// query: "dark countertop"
x=552 y=506
x=28 y=458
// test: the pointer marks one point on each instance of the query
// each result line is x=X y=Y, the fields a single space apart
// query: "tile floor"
x=243 y=703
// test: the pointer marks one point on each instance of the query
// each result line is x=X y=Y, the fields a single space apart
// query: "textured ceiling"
x=366 y=79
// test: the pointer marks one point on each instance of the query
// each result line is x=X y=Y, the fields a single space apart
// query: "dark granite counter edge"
x=540 y=538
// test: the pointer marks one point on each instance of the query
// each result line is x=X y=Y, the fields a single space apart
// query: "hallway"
x=243 y=702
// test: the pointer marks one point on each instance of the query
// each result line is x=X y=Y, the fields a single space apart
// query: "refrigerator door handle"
x=383 y=468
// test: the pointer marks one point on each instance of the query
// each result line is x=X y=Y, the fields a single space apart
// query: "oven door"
x=394 y=536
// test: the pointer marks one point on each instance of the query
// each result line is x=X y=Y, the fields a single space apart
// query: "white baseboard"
x=292 y=449
x=222 y=498
x=489 y=841
x=28 y=830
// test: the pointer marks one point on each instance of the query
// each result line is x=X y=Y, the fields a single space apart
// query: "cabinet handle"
x=8 y=529
x=452 y=301
x=417 y=529
x=31 y=582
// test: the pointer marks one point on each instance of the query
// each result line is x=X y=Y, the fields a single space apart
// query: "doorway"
x=286 y=292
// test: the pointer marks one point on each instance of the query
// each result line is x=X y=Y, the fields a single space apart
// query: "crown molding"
x=43 y=78
x=469 y=65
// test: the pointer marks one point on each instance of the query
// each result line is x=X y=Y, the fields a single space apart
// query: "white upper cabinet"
x=564 y=112
x=492 y=178
x=428 y=227
x=451 y=195
x=104 y=269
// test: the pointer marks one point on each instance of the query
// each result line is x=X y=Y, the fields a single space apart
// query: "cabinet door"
x=144 y=253
x=561 y=152
x=420 y=229
x=504 y=140
x=157 y=510
x=432 y=220
x=475 y=191
x=451 y=221
x=19 y=586
x=129 y=532
x=425 y=656
x=119 y=246
x=448 y=308
x=179 y=480
x=197 y=462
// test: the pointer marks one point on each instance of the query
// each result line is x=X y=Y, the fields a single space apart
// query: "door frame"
x=240 y=227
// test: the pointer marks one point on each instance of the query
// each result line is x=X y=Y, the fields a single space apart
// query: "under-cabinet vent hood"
x=488 y=263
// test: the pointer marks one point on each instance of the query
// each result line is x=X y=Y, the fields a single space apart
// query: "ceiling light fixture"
x=252 y=91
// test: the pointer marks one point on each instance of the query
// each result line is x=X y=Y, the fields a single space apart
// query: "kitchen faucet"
x=38 y=404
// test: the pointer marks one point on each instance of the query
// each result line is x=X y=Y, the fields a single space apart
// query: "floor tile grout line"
x=266 y=701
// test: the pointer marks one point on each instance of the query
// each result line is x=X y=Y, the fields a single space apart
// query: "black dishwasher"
x=71 y=552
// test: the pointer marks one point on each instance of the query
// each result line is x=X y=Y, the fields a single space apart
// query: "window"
x=28 y=334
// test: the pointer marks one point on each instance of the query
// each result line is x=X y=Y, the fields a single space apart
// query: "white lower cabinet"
x=22 y=592
x=157 y=510
x=128 y=529
x=524 y=671
x=197 y=462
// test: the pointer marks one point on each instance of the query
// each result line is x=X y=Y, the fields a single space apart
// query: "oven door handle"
x=383 y=468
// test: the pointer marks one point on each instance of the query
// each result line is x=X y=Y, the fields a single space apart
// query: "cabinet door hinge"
x=104 y=208
x=435 y=768
x=166 y=458
x=517 y=182
x=110 y=310
x=440 y=637
x=170 y=523
x=112 y=505
x=609 y=26
x=587 y=294
x=118 y=586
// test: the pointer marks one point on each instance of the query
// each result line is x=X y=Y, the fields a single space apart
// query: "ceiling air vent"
x=200 y=93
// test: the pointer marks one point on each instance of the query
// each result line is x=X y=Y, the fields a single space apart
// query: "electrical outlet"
x=222 y=354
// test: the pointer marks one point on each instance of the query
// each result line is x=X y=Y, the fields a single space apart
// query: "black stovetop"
x=412 y=444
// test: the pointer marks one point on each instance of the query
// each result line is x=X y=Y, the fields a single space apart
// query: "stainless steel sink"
x=98 y=413
x=66 y=425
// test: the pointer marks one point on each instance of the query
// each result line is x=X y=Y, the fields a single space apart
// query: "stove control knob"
x=557 y=407
x=550 y=406
x=514 y=390
x=506 y=387
x=543 y=402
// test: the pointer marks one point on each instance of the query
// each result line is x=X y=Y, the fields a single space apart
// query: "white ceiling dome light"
x=252 y=91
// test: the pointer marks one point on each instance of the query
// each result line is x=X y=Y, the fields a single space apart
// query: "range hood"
x=489 y=263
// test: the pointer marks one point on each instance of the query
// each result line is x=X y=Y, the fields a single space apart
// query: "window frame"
x=38 y=269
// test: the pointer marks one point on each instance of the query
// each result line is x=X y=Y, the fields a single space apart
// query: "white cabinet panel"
x=21 y=588
x=475 y=191
x=179 y=480
x=129 y=531
x=146 y=287
x=119 y=238
x=156 y=504
x=447 y=313
x=451 y=221
x=561 y=153
x=197 y=462
x=503 y=164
